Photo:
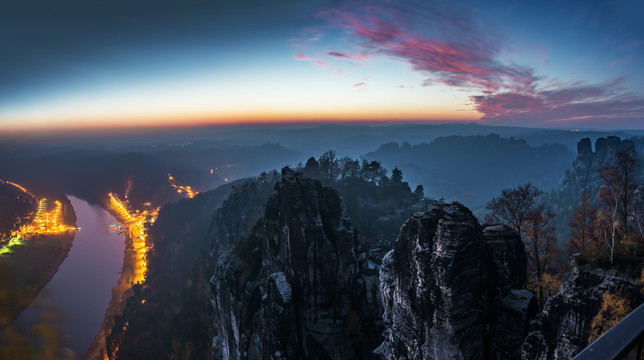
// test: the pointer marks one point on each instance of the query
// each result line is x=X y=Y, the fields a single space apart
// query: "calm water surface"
x=81 y=289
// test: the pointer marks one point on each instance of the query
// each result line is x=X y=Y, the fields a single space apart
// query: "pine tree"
x=513 y=206
x=396 y=175
x=420 y=191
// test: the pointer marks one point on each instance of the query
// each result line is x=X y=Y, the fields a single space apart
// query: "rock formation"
x=289 y=293
x=240 y=211
x=452 y=289
x=585 y=172
x=300 y=285
x=562 y=328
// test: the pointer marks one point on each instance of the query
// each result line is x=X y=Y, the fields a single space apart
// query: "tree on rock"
x=620 y=185
x=614 y=309
x=581 y=225
x=396 y=175
x=329 y=166
x=312 y=168
x=618 y=195
x=518 y=209
x=513 y=206
x=420 y=191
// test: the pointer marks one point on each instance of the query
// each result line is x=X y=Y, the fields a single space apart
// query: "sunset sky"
x=88 y=63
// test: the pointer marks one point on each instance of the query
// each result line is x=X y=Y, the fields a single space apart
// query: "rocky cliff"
x=292 y=287
x=563 y=327
x=300 y=285
x=452 y=289
x=239 y=212
x=585 y=172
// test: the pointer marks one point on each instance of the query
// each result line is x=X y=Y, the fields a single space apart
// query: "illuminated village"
x=47 y=219
x=135 y=221
x=187 y=191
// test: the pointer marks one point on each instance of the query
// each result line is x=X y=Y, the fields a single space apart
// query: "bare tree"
x=541 y=248
x=539 y=236
x=581 y=225
x=620 y=186
x=618 y=195
x=606 y=229
x=639 y=210
x=329 y=166
x=349 y=167
x=518 y=209
x=513 y=206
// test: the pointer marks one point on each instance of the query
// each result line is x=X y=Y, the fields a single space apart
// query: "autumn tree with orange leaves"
x=581 y=225
x=618 y=194
x=614 y=308
x=534 y=222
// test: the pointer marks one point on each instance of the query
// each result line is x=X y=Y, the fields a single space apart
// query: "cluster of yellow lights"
x=47 y=220
x=12 y=242
x=16 y=185
x=212 y=171
x=135 y=221
x=187 y=191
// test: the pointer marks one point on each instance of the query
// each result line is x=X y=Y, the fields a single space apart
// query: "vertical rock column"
x=433 y=287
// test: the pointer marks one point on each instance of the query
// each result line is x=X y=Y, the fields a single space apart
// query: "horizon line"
x=158 y=129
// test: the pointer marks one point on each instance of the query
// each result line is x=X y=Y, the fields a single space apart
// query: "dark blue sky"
x=115 y=63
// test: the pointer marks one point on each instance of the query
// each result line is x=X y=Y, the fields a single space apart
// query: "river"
x=81 y=289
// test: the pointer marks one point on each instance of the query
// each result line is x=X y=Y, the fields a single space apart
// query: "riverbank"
x=132 y=275
x=26 y=270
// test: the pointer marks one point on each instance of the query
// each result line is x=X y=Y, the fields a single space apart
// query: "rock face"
x=585 y=172
x=240 y=211
x=512 y=306
x=447 y=289
x=296 y=304
x=562 y=328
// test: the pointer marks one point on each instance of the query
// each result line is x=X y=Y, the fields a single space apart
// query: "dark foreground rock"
x=292 y=289
x=562 y=328
x=452 y=289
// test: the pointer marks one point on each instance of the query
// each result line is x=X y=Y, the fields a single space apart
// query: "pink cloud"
x=359 y=57
x=569 y=103
x=456 y=52
x=451 y=47
x=301 y=57
x=339 y=55
x=359 y=84
x=321 y=64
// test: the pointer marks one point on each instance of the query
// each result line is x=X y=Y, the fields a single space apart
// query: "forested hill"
x=472 y=169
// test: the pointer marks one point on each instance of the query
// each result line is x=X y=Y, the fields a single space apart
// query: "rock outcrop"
x=452 y=289
x=562 y=328
x=240 y=211
x=585 y=172
x=286 y=290
x=512 y=306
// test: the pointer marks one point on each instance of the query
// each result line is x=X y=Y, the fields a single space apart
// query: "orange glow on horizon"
x=204 y=121
x=323 y=116
x=260 y=97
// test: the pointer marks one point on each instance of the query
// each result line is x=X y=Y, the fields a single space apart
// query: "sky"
x=121 y=63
